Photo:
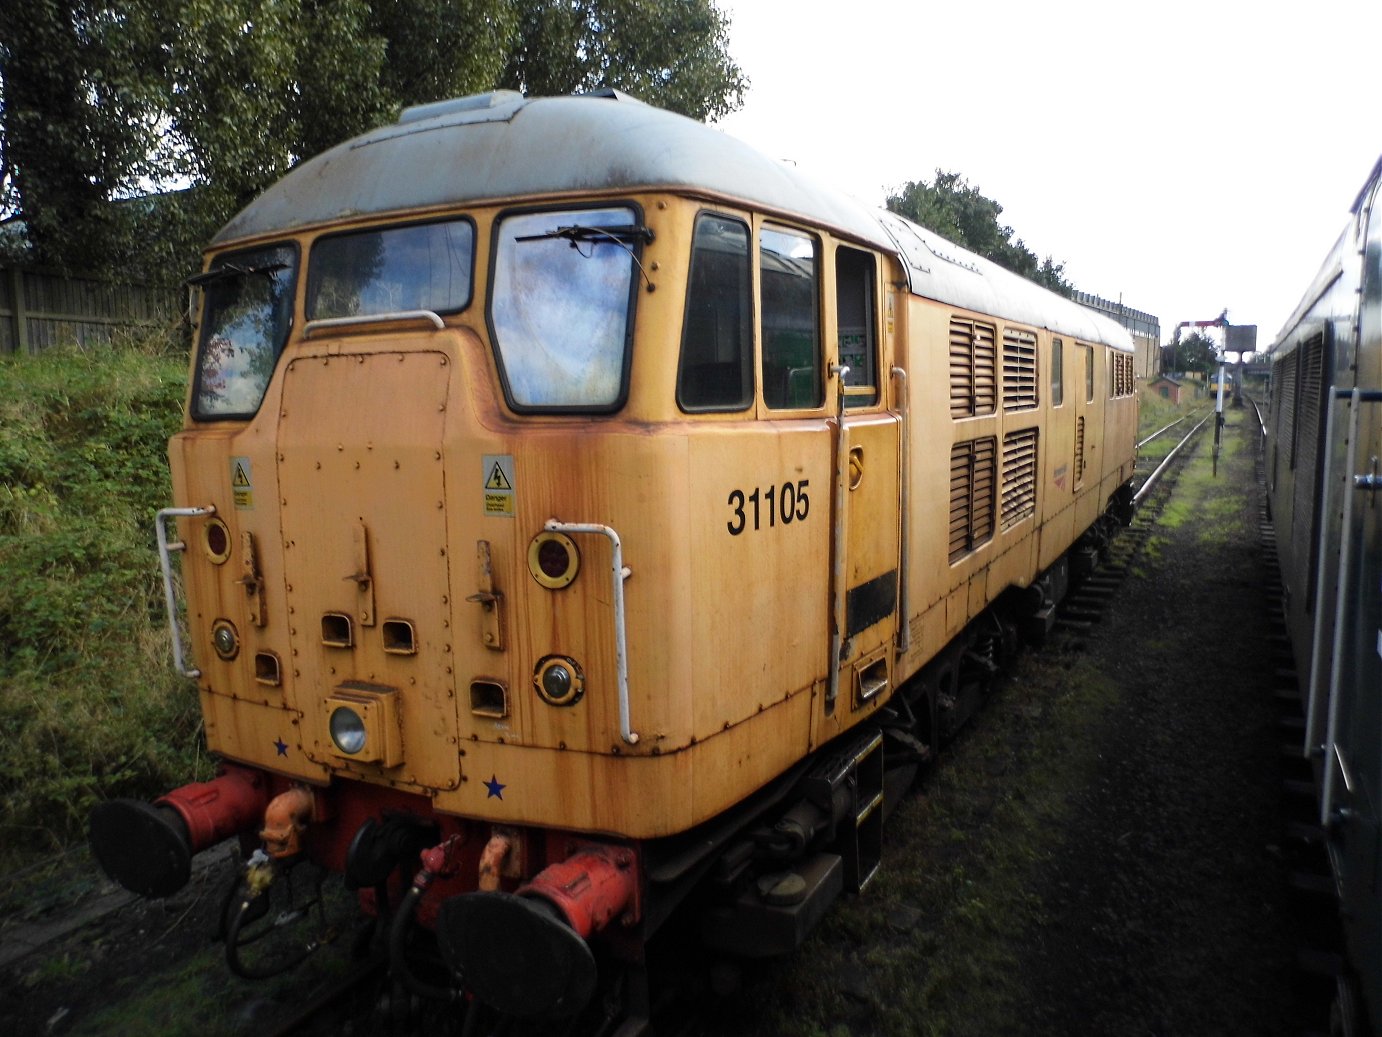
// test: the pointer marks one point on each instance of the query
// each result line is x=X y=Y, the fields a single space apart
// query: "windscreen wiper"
x=622 y=234
x=231 y=270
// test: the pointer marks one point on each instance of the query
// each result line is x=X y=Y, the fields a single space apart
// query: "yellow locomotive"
x=606 y=515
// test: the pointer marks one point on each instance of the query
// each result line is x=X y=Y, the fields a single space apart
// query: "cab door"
x=867 y=492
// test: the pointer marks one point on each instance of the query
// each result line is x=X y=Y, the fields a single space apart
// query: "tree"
x=1195 y=352
x=105 y=100
x=955 y=210
x=77 y=104
x=672 y=54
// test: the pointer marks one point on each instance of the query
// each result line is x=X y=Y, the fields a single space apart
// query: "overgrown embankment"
x=89 y=707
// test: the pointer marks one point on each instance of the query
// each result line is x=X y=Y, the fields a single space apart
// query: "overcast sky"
x=1181 y=157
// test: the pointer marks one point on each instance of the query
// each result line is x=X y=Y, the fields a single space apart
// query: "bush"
x=91 y=707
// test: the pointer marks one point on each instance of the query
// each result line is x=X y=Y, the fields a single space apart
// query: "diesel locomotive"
x=580 y=515
x=1324 y=442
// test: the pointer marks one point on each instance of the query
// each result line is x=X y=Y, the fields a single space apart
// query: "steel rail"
x=1166 y=428
x=1156 y=474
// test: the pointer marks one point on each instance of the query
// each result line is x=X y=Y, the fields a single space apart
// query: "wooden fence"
x=39 y=310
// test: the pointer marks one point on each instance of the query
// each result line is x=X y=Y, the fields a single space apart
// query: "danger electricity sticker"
x=498 y=484
x=242 y=483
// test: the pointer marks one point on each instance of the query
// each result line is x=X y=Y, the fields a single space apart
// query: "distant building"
x=1146 y=330
x=1167 y=388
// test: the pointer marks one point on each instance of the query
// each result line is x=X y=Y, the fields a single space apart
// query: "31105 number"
x=768 y=506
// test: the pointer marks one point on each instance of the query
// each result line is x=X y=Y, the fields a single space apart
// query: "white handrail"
x=1311 y=742
x=620 y=572
x=165 y=549
x=373 y=318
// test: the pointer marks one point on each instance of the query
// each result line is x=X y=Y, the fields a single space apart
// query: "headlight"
x=363 y=723
x=347 y=730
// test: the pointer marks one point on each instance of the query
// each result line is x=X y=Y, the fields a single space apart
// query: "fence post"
x=18 y=314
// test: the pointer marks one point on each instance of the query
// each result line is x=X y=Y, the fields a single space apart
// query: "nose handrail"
x=165 y=561
x=619 y=573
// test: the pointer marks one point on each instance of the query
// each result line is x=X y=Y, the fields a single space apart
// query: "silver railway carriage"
x=1324 y=444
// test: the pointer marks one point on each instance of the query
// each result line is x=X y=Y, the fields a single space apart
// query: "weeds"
x=88 y=710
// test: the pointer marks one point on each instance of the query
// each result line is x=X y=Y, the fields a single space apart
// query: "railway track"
x=1085 y=604
x=362 y=997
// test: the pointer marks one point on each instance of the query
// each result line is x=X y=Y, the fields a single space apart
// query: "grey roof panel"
x=549 y=146
x=496 y=146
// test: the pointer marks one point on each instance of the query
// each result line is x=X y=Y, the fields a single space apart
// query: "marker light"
x=559 y=681
x=216 y=540
x=224 y=639
x=347 y=730
x=553 y=560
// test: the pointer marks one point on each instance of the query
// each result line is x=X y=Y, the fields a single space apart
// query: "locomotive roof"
x=501 y=145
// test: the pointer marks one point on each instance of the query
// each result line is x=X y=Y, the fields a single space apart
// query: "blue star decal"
x=496 y=790
x=281 y=746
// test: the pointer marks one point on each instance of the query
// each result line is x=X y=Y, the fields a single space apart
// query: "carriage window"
x=419 y=267
x=854 y=307
x=562 y=305
x=790 y=319
x=247 y=312
x=1089 y=374
x=1057 y=372
x=716 y=371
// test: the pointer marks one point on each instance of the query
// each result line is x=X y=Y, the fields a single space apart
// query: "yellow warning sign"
x=497 y=479
x=498 y=485
x=242 y=483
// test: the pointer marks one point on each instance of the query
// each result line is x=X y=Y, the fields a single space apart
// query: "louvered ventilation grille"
x=1121 y=383
x=1308 y=487
x=1019 y=369
x=1308 y=402
x=973 y=374
x=1285 y=378
x=1019 y=476
x=971 y=495
x=1079 y=450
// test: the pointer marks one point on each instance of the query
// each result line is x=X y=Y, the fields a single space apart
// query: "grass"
x=90 y=707
x=981 y=824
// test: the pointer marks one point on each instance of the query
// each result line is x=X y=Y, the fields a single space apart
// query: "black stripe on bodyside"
x=869 y=602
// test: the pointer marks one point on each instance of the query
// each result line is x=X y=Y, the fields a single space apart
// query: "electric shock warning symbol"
x=498 y=484
x=497 y=479
x=242 y=483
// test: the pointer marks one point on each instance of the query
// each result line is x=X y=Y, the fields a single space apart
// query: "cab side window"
x=854 y=308
x=1057 y=372
x=790 y=272
x=716 y=369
